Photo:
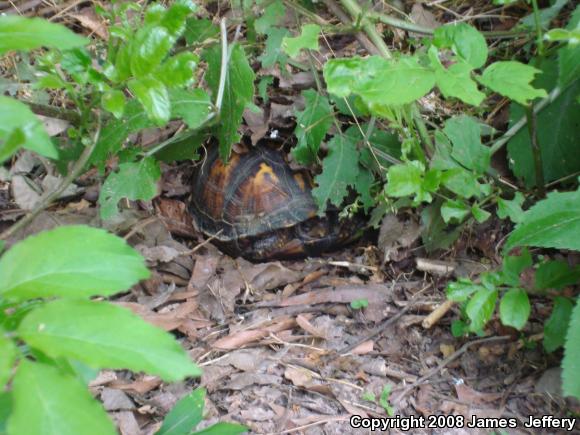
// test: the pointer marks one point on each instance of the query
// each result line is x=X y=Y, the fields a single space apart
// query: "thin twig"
x=48 y=197
x=224 y=67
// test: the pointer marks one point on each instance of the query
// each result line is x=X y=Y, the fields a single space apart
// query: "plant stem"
x=356 y=13
x=224 y=67
x=54 y=112
x=48 y=197
x=536 y=150
x=539 y=33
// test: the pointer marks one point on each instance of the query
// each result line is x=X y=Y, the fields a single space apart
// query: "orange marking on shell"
x=300 y=180
x=266 y=174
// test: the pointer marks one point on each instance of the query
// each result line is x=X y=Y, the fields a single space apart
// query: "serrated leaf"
x=511 y=208
x=20 y=33
x=239 y=92
x=512 y=79
x=193 y=106
x=198 y=30
x=571 y=361
x=42 y=398
x=465 y=41
x=150 y=46
x=363 y=185
x=272 y=15
x=480 y=214
x=514 y=308
x=178 y=70
x=134 y=181
x=76 y=329
x=154 y=97
x=480 y=308
x=114 y=101
x=465 y=135
x=273 y=51
x=551 y=223
x=8 y=351
x=308 y=39
x=462 y=183
x=17 y=115
x=454 y=211
x=557 y=324
x=556 y=275
x=185 y=415
x=312 y=124
x=339 y=170
x=461 y=290
x=404 y=179
x=76 y=262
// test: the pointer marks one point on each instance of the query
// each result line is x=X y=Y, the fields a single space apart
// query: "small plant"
x=54 y=336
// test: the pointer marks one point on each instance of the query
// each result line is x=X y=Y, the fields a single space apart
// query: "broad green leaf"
x=154 y=97
x=239 y=92
x=17 y=115
x=273 y=51
x=546 y=15
x=465 y=41
x=462 y=183
x=436 y=234
x=312 y=124
x=114 y=101
x=13 y=142
x=75 y=262
x=461 y=290
x=557 y=136
x=42 y=400
x=134 y=180
x=404 y=179
x=148 y=49
x=514 y=308
x=339 y=170
x=556 y=275
x=193 y=106
x=557 y=324
x=480 y=308
x=223 y=428
x=76 y=60
x=198 y=30
x=480 y=214
x=512 y=79
x=9 y=352
x=459 y=328
x=50 y=81
x=343 y=75
x=454 y=211
x=514 y=265
x=20 y=33
x=5 y=409
x=103 y=335
x=465 y=135
x=569 y=56
x=175 y=17
x=363 y=185
x=178 y=70
x=272 y=15
x=511 y=208
x=308 y=39
x=571 y=361
x=185 y=415
x=456 y=81
x=182 y=149
x=551 y=223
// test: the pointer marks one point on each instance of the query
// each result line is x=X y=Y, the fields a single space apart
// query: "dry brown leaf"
x=395 y=236
x=469 y=396
x=90 y=20
x=305 y=324
x=298 y=376
x=140 y=386
x=241 y=338
x=363 y=348
x=374 y=293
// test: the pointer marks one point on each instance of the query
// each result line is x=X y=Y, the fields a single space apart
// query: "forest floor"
x=282 y=349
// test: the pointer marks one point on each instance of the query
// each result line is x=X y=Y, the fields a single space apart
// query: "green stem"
x=539 y=33
x=356 y=13
x=536 y=150
x=54 y=112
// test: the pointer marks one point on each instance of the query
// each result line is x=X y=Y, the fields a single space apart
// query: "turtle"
x=257 y=207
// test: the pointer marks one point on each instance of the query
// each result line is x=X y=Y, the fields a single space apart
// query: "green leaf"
x=70 y=261
x=273 y=50
x=343 y=76
x=512 y=79
x=114 y=101
x=148 y=49
x=557 y=324
x=223 y=428
x=134 y=181
x=239 y=92
x=273 y=14
x=462 y=183
x=17 y=115
x=199 y=30
x=5 y=409
x=465 y=135
x=76 y=60
x=454 y=211
x=511 y=208
x=358 y=304
x=551 y=223
x=363 y=185
x=514 y=308
x=50 y=81
x=480 y=308
x=435 y=233
x=20 y=33
x=103 y=335
x=175 y=17
x=571 y=361
x=459 y=328
x=569 y=57
x=178 y=70
x=9 y=352
x=480 y=214
x=556 y=275
x=514 y=265
x=185 y=415
x=546 y=15
x=461 y=290
x=339 y=170
x=557 y=136
x=42 y=399
x=308 y=39
x=404 y=179
x=456 y=81
x=465 y=41
x=182 y=149
x=312 y=124
x=194 y=107
x=153 y=95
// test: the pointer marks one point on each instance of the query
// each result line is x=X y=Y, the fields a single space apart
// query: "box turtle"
x=257 y=207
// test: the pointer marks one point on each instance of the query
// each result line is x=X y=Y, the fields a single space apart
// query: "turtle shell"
x=256 y=206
